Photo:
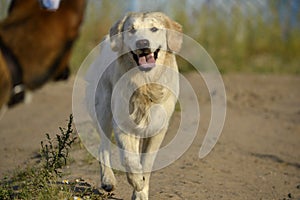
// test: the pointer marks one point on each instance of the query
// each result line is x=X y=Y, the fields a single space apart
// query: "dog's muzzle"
x=144 y=57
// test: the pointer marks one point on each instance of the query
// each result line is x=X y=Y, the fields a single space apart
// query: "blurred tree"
x=3 y=8
x=289 y=16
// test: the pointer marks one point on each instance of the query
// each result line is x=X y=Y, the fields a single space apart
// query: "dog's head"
x=146 y=36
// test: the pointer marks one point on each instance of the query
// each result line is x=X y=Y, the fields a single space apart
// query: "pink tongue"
x=147 y=61
x=150 y=58
x=142 y=60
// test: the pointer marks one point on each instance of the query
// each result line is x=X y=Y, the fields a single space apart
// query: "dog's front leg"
x=149 y=151
x=130 y=156
x=108 y=180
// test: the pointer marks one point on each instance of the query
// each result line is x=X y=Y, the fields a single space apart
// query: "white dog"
x=137 y=94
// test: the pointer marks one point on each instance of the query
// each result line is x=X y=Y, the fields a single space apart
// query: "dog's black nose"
x=141 y=44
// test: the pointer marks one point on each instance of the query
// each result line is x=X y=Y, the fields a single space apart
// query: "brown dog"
x=35 y=46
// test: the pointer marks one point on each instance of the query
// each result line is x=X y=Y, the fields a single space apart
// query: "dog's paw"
x=108 y=187
x=139 y=195
x=108 y=183
x=136 y=180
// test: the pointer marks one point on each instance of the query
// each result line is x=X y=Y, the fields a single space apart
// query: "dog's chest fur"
x=142 y=100
x=147 y=103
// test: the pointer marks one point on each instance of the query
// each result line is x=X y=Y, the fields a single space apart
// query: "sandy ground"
x=256 y=157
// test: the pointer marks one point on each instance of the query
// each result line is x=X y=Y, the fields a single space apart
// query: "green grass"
x=247 y=44
x=44 y=180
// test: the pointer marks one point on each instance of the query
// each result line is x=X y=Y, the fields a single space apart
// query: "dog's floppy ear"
x=174 y=35
x=115 y=34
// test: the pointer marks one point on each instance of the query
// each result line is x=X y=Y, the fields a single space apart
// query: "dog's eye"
x=132 y=30
x=154 y=29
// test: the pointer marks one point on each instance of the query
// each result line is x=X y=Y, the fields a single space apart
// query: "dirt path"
x=257 y=156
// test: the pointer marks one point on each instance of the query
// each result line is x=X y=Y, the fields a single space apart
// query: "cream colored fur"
x=150 y=106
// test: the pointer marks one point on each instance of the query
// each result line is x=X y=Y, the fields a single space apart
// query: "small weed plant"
x=44 y=179
x=55 y=155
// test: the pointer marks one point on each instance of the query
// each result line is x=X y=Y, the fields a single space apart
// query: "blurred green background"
x=258 y=36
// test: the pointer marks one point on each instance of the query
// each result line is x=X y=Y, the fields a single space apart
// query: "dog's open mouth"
x=145 y=58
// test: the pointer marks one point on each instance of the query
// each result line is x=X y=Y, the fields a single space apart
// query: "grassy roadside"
x=45 y=178
x=237 y=43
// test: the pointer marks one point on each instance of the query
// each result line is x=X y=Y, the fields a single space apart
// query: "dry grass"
x=248 y=44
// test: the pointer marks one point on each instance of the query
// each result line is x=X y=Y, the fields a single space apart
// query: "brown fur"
x=41 y=40
x=5 y=82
